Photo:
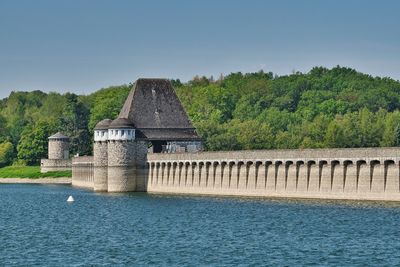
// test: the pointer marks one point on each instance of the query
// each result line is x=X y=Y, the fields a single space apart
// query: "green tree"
x=74 y=123
x=6 y=153
x=33 y=144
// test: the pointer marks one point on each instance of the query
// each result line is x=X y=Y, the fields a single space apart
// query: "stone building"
x=152 y=120
x=58 y=154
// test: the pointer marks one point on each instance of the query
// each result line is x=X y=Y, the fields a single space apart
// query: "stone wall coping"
x=82 y=159
x=283 y=155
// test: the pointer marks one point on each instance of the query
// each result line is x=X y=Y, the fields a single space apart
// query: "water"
x=38 y=227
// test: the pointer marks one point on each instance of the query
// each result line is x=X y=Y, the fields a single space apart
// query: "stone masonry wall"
x=100 y=163
x=49 y=165
x=57 y=148
x=362 y=174
x=371 y=173
x=126 y=163
x=82 y=172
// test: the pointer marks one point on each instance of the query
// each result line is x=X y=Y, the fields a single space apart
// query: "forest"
x=324 y=108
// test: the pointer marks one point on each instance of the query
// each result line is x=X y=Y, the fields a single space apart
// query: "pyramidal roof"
x=155 y=110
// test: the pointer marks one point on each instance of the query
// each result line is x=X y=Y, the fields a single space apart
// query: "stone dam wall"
x=51 y=165
x=364 y=174
x=83 y=172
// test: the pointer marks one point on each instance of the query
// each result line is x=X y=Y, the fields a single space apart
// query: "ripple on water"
x=38 y=227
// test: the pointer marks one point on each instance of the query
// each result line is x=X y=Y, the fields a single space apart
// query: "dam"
x=153 y=147
x=361 y=174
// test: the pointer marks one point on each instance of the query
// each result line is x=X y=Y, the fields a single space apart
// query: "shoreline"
x=61 y=180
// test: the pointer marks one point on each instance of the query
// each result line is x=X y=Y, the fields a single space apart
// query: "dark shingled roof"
x=103 y=124
x=59 y=135
x=121 y=123
x=155 y=110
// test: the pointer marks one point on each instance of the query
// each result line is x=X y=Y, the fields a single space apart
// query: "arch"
x=208 y=167
x=335 y=162
x=251 y=174
x=391 y=176
x=363 y=181
x=242 y=174
x=214 y=174
x=163 y=165
x=325 y=176
x=322 y=162
x=310 y=162
x=377 y=176
x=280 y=175
x=260 y=174
x=233 y=174
x=290 y=175
x=186 y=172
x=374 y=162
x=180 y=167
x=301 y=175
x=223 y=174
x=338 y=174
x=175 y=172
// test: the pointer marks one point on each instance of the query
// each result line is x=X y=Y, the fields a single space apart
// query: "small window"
x=102 y=134
x=116 y=132
x=122 y=132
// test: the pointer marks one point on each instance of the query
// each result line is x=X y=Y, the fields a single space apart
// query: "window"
x=122 y=132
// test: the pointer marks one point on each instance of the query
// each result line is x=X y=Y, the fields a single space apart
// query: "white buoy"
x=70 y=199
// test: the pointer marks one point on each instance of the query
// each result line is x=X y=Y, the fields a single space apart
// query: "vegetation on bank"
x=31 y=172
x=323 y=108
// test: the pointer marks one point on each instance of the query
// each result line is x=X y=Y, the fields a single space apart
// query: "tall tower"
x=124 y=156
x=58 y=146
x=100 y=155
x=152 y=115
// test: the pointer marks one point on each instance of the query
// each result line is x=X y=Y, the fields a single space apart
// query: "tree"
x=74 y=123
x=33 y=144
x=6 y=153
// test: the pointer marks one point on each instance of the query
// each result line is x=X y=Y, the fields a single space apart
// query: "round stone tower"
x=122 y=156
x=58 y=146
x=100 y=155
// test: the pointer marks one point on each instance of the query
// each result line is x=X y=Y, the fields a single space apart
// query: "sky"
x=82 y=46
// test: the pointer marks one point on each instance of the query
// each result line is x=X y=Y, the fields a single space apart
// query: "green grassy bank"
x=31 y=172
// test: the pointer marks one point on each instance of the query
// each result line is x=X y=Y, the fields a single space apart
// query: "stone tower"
x=100 y=155
x=58 y=146
x=58 y=159
x=152 y=116
x=125 y=155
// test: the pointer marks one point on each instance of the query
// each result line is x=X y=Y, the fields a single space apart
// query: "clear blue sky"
x=81 y=46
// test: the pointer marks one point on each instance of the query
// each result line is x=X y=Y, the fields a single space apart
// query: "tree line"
x=324 y=108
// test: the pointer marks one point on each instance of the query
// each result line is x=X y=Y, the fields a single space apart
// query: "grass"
x=32 y=172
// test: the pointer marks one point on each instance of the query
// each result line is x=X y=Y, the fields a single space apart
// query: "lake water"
x=38 y=227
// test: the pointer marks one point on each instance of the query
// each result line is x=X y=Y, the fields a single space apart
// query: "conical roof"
x=59 y=135
x=155 y=110
x=121 y=123
x=103 y=124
